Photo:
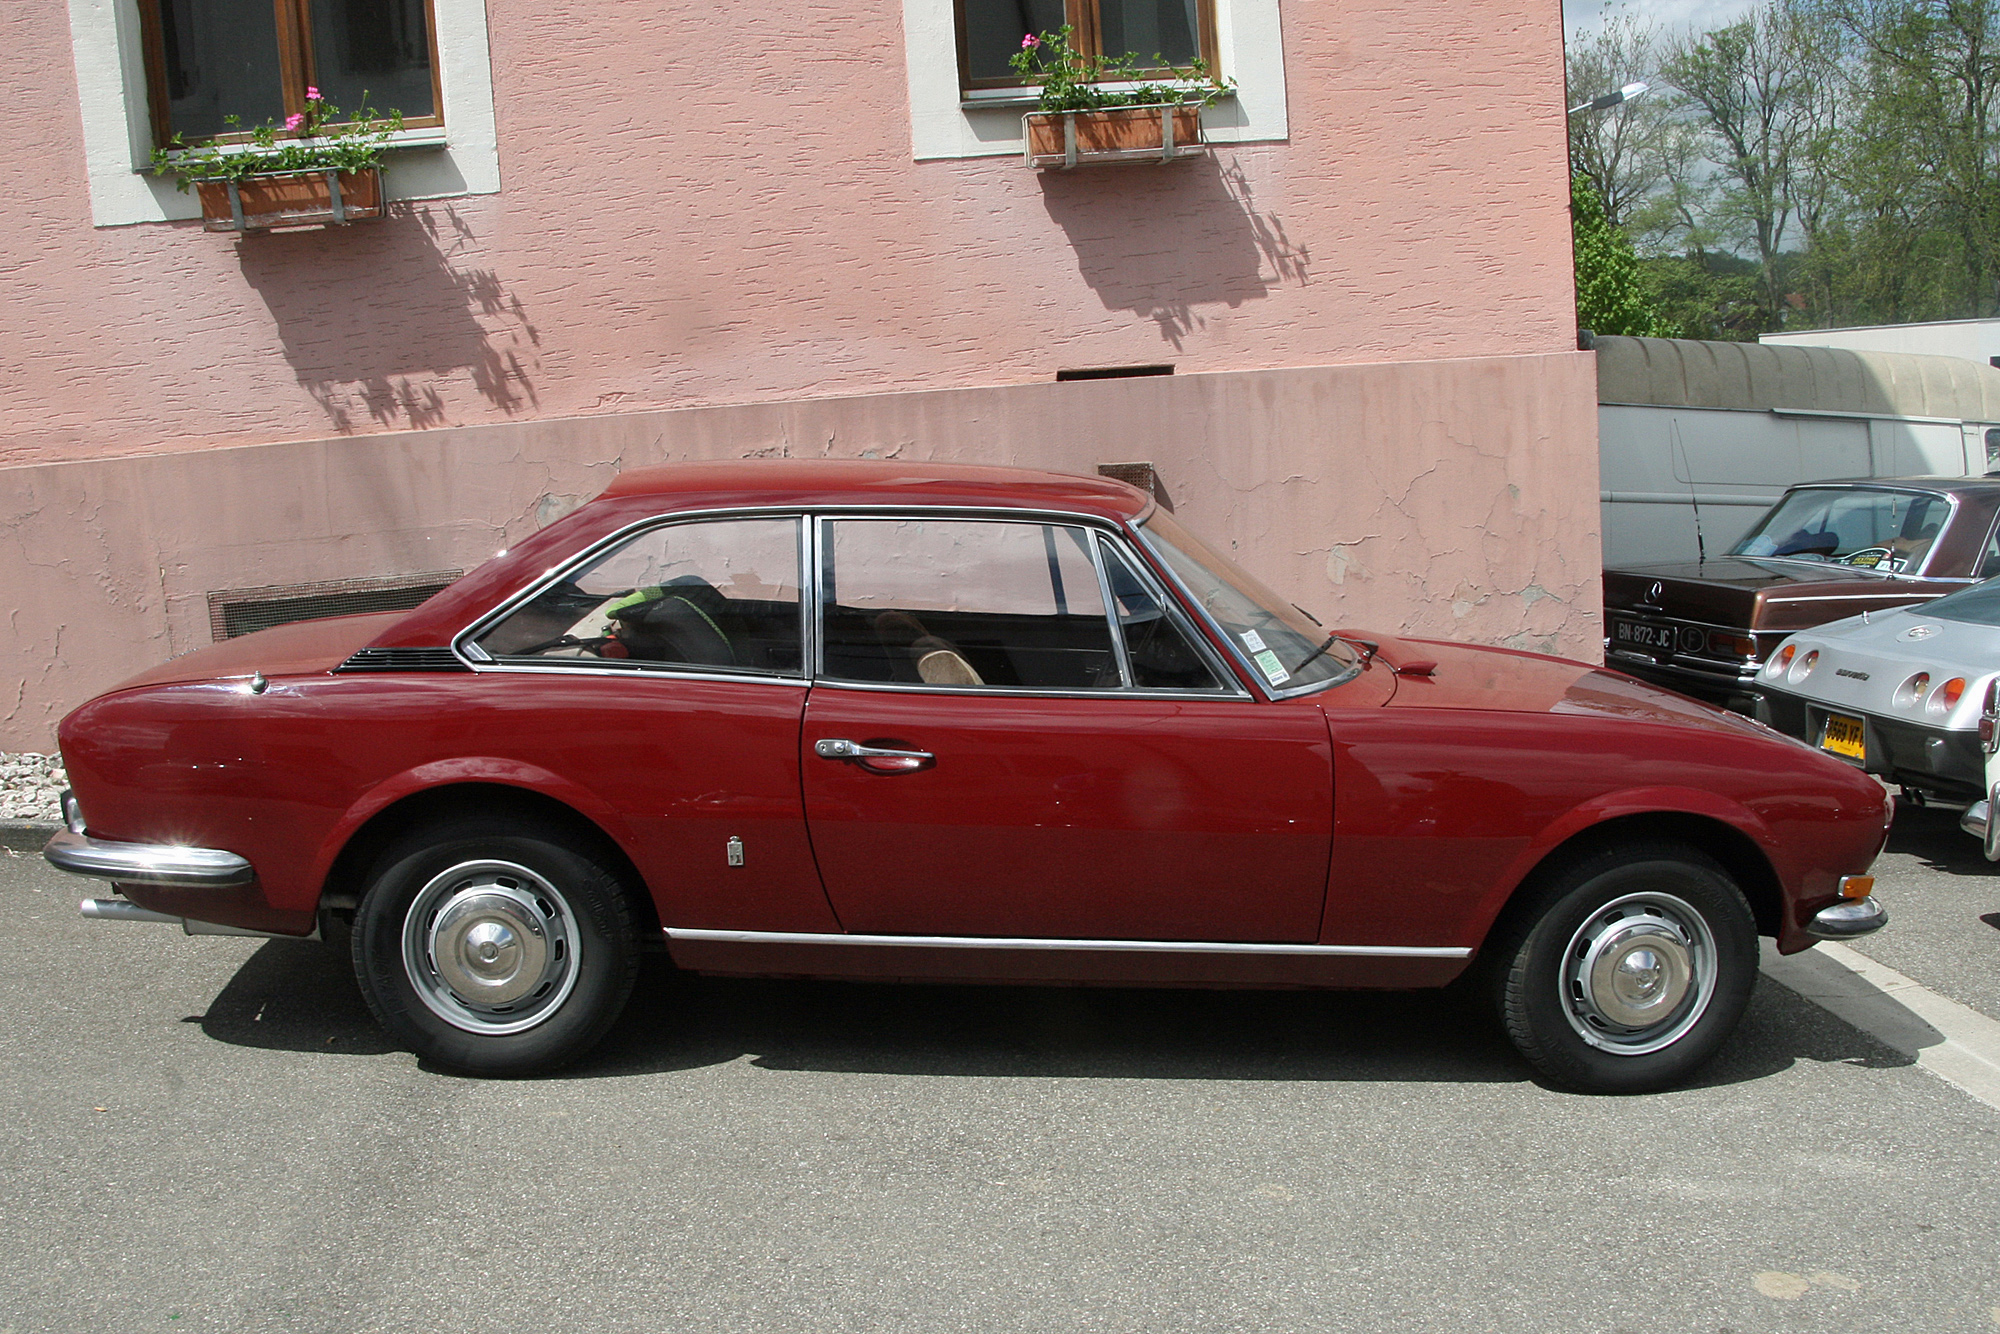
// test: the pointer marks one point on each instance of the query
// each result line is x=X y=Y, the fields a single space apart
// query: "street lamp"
x=1609 y=100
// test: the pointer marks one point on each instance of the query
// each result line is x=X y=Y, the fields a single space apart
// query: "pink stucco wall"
x=712 y=241
x=704 y=206
x=1430 y=498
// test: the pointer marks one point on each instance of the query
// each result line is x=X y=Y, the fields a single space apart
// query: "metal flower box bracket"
x=1065 y=139
x=290 y=199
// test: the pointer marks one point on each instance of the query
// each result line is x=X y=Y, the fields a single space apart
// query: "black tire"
x=493 y=947
x=1628 y=969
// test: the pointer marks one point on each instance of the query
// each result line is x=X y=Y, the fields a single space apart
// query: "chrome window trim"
x=1177 y=613
x=704 y=934
x=1126 y=681
x=1099 y=529
x=554 y=574
x=1246 y=669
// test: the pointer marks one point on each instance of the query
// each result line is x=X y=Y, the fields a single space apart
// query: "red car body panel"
x=1399 y=810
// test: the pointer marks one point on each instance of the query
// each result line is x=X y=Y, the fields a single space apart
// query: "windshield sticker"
x=1253 y=641
x=1274 y=671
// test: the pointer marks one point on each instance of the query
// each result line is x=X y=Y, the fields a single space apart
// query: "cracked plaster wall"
x=700 y=212
x=1449 y=498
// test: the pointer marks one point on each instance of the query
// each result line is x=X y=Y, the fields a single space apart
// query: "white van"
x=1697 y=439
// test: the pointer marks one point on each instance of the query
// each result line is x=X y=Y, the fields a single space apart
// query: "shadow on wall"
x=1162 y=240
x=375 y=315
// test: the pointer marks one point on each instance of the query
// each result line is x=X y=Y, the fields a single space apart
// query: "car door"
x=987 y=752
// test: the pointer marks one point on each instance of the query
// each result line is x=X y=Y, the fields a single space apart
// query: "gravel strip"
x=30 y=786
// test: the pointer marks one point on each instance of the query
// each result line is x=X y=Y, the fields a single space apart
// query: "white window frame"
x=462 y=158
x=946 y=123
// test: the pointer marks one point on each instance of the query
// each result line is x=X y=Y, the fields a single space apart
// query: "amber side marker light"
x=1856 y=886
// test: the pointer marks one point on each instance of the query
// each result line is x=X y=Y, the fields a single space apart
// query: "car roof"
x=1955 y=485
x=669 y=489
x=682 y=487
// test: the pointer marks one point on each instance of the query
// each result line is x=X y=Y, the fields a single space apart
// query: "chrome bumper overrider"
x=1978 y=822
x=1847 y=919
x=147 y=863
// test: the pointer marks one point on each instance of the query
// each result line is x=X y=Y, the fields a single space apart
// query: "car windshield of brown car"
x=1281 y=643
x=1887 y=531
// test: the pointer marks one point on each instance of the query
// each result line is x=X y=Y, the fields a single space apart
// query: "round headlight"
x=1803 y=667
x=1911 y=693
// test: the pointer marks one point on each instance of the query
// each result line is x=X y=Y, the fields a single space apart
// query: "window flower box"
x=290 y=199
x=1153 y=133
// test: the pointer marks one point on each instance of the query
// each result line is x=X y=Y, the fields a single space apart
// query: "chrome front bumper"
x=147 y=863
x=1978 y=822
x=1847 y=919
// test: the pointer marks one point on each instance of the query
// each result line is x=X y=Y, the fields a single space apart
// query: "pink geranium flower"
x=292 y=122
x=1030 y=42
x=312 y=95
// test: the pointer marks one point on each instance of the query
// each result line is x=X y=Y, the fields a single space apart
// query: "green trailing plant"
x=1070 y=80
x=313 y=140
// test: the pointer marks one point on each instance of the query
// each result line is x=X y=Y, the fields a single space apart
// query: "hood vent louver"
x=403 y=660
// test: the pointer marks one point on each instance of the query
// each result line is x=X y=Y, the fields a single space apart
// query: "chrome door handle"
x=875 y=759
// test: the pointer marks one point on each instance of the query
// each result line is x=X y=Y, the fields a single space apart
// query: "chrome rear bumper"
x=147 y=863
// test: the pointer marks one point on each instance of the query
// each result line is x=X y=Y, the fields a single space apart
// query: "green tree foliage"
x=1820 y=162
x=1612 y=294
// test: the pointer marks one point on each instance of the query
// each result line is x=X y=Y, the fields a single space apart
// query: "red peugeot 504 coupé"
x=881 y=720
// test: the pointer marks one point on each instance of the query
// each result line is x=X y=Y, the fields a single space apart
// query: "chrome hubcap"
x=491 y=947
x=1639 y=973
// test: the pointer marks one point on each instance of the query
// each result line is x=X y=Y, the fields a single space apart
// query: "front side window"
x=1890 y=531
x=1283 y=645
x=964 y=602
x=720 y=595
x=990 y=32
x=256 y=60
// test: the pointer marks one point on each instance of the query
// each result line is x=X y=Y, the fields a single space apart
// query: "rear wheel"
x=1629 y=969
x=494 y=948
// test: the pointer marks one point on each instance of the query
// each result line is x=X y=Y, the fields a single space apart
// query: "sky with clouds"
x=1583 y=17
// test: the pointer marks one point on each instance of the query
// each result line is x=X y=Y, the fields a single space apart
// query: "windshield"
x=1890 y=531
x=1977 y=605
x=1282 y=643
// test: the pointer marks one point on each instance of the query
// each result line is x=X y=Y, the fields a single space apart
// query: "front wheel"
x=493 y=948
x=1629 y=969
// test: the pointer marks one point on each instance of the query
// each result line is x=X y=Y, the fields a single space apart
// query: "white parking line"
x=1954 y=1042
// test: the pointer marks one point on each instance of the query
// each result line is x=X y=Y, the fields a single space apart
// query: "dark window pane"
x=374 y=53
x=994 y=29
x=1149 y=27
x=221 y=60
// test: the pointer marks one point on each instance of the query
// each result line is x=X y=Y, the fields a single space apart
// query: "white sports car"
x=1898 y=693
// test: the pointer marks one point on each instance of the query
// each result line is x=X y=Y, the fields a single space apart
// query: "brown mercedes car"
x=1825 y=551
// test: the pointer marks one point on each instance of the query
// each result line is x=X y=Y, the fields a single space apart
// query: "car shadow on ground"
x=301 y=996
x=1931 y=835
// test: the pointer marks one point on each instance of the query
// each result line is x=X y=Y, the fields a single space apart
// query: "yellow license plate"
x=1843 y=736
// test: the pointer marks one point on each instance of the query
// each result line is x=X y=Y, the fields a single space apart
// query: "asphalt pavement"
x=210 y=1134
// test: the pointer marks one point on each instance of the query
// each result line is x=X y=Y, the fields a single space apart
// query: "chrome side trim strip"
x=1057 y=943
x=147 y=863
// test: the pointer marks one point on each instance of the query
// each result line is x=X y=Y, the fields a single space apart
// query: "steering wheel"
x=1865 y=557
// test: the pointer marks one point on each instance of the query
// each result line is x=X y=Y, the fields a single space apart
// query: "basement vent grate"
x=1141 y=475
x=1112 y=372
x=241 y=611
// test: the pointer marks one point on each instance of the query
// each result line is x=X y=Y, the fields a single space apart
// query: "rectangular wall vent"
x=240 y=611
x=1112 y=372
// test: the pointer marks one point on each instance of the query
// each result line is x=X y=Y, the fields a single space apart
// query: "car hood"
x=299 y=649
x=1759 y=594
x=1471 y=677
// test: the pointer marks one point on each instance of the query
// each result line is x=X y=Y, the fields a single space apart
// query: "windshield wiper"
x=1329 y=642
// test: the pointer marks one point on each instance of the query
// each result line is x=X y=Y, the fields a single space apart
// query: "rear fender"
x=467 y=769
